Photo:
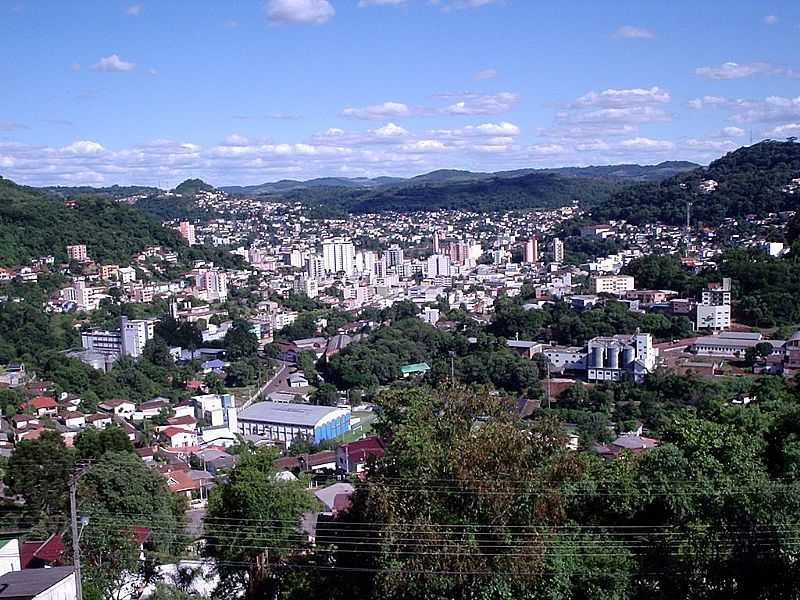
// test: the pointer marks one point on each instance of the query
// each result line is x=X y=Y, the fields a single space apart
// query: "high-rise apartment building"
x=530 y=251
x=558 y=250
x=186 y=229
x=338 y=255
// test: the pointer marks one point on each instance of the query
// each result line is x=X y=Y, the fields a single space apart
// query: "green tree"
x=240 y=341
x=92 y=443
x=123 y=497
x=253 y=494
x=39 y=472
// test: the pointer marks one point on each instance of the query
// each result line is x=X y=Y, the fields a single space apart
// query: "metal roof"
x=29 y=583
x=288 y=414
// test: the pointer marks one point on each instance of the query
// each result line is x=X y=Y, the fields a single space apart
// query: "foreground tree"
x=39 y=472
x=267 y=511
x=128 y=505
x=467 y=503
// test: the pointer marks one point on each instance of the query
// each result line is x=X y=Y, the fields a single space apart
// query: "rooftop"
x=29 y=583
x=289 y=414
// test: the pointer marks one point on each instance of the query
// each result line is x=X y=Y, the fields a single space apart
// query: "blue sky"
x=153 y=92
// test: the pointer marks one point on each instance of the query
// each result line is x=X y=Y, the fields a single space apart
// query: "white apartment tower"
x=315 y=267
x=558 y=250
x=338 y=255
x=394 y=257
x=214 y=283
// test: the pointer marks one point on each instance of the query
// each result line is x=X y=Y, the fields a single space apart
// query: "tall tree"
x=269 y=510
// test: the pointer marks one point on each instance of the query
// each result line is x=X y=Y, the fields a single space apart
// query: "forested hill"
x=33 y=224
x=751 y=180
x=536 y=190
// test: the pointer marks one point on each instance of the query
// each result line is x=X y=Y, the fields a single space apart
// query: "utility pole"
x=452 y=368
x=76 y=549
x=549 y=395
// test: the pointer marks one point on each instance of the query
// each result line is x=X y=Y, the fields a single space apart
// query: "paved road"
x=268 y=387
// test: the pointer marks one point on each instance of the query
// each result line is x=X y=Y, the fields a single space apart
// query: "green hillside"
x=33 y=224
x=750 y=180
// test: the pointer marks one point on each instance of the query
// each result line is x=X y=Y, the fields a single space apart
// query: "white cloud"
x=592 y=146
x=485 y=74
x=733 y=131
x=699 y=103
x=304 y=12
x=732 y=70
x=547 y=149
x=366 y=3
x=503 y=129
x=786 y=130
x=623 y=97
x=84 y=147
x=633 y=32
x=479 y=104
x=378 y=111
x=647 y=144
x=773 y=109
x=390 y=130
x=424 y=146
x=134 y=10
x=113 y=64
x=770 y=20
x=717 y=146
x=236 y=139
x=629 y=115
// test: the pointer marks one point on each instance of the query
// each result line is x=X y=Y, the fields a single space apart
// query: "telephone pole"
x=76 y=531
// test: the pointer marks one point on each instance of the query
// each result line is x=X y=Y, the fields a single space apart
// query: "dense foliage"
x=535 y=190
x=471 y=502
x=33 y=225
x=484 y=359
x=751 y=180
x=562 y=324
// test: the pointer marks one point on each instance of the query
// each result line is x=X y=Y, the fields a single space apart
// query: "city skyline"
x=307 y=88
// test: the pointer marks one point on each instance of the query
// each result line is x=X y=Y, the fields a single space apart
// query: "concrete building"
x=714 y=310
x=609 y=358
x=438 y=265
x=315 y=267
x=213 y=282
x=606 y=358
x=394 y=257
x=128 y=340
x=186 y=230
x=307 y=286
x=558 y=251
x=530 y=251
x=283 y=423
x=338 y=255
x=716 y=318
x=612 y=284
x=77 y=252
x=734 y=344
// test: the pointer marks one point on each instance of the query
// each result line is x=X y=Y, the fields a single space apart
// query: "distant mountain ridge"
x=446 y=176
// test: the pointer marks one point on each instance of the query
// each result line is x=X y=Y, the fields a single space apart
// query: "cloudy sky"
x=152 y=92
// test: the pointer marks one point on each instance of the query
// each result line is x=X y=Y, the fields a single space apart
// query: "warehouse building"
x=282 y=423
